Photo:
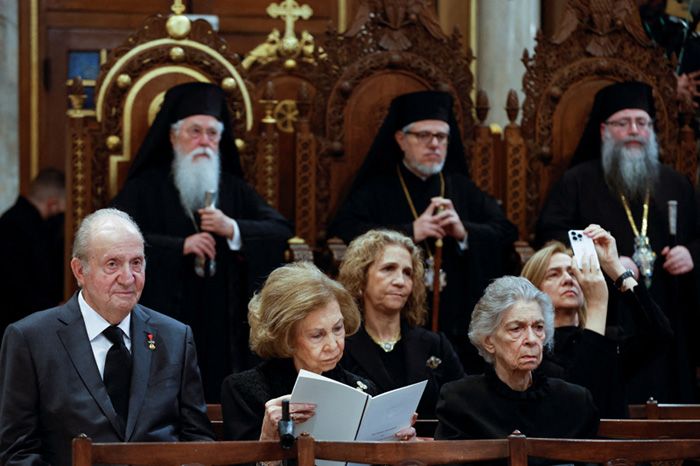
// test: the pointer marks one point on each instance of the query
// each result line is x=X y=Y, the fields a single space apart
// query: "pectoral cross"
x=290 y=11
x=178 y=7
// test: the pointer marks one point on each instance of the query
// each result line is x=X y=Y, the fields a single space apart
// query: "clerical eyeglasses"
x=196 y=132
x=425 y=137
x=626 y=123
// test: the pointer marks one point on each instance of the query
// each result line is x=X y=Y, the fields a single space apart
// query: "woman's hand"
x=409 y=433
x=595 y=292
x=298 y=412
x=606 y=248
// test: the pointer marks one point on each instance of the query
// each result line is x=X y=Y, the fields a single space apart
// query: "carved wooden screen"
x=597 y=43
x=390 y=48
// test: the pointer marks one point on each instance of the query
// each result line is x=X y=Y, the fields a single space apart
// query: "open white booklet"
x=346 y=413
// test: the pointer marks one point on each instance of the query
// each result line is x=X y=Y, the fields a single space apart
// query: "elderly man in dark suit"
x=100 y=364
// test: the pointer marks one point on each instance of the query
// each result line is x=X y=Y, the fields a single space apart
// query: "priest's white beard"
x=194 y=178
x=631 y=171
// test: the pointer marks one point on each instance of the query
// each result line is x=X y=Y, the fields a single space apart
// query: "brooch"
x=150 y=341
x=433 y=362
x=361 y=386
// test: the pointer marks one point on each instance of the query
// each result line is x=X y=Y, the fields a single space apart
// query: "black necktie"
x=117 y=375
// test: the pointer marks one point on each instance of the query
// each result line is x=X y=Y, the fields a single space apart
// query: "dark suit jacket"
x=51 y=389
x=361 y=358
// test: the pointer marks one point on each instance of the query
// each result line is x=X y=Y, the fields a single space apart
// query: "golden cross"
x=178 y=8
x=291 y=12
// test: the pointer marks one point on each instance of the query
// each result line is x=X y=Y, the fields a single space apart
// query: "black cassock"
x=381 y=203
x=582 y=197
x=31 y=278
x=215 y=307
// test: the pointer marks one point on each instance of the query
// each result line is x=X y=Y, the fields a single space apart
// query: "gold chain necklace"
x=386 y=345
x=643 y=255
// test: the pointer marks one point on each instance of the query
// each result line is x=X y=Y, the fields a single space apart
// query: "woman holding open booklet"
x=298 y=321
x=383 y=270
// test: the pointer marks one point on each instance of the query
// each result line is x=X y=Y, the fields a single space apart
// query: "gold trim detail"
x=285 y=115
x=125 y=156
x=342 y=16
x=99 y=106
x=287 y=46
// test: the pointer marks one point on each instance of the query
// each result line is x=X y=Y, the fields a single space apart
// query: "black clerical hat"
x=182 y=101
x=423 y=105
x=195 y=98
x=385 y=153
x=608 y=101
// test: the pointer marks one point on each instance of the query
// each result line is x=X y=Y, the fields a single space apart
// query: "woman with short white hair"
x=511 y=326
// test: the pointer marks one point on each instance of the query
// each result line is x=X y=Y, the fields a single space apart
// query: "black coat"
x=604 y=365
x=362 y=356
x=483 y=407
x=582 y=197
x=215 y=307
x=243 y=395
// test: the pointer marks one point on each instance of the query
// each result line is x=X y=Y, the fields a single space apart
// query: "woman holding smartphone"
x=587 y=351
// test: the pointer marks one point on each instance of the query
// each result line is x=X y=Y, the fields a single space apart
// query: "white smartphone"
x=582 y=246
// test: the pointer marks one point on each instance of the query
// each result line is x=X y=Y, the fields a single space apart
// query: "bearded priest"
x=209 y=236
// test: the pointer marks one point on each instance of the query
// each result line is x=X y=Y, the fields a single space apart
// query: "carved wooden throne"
x=598 y=42
x=168 y=50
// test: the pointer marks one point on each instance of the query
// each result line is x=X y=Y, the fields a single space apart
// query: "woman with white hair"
x=511 y=326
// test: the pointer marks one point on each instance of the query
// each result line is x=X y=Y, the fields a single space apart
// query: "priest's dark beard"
x=192 y=179
x=631 y=171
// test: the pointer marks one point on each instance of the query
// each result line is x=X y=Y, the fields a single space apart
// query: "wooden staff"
x=437 y=264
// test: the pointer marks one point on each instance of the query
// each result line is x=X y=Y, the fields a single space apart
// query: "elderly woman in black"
x=298 y=321
x=511 y=326
x=383 y=270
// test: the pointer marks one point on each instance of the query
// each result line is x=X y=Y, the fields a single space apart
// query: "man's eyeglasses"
x=626 y=123
x=196 y=132
x=426 y=137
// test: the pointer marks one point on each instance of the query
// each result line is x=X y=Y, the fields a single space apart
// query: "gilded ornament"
x=123 y=81
x=290 y=64
x=178 y=26
x=228 y=84
x=177 y=54
x=240 y=144
x=113 y=142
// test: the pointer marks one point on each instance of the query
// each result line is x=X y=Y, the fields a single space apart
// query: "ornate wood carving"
x=482 y=166
x=395 y=42
x=306 y=161
x=267 y=167
x=598 y=42
x=516 y=169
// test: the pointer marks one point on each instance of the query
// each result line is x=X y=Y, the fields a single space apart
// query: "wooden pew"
x=87 y=453
x=216 y=419
x=649 y=429
x=655 y=410
x=600 y=451
x=437 y=452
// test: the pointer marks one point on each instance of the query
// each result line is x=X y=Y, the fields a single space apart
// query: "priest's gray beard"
x=631 y=171
x=194 y=178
